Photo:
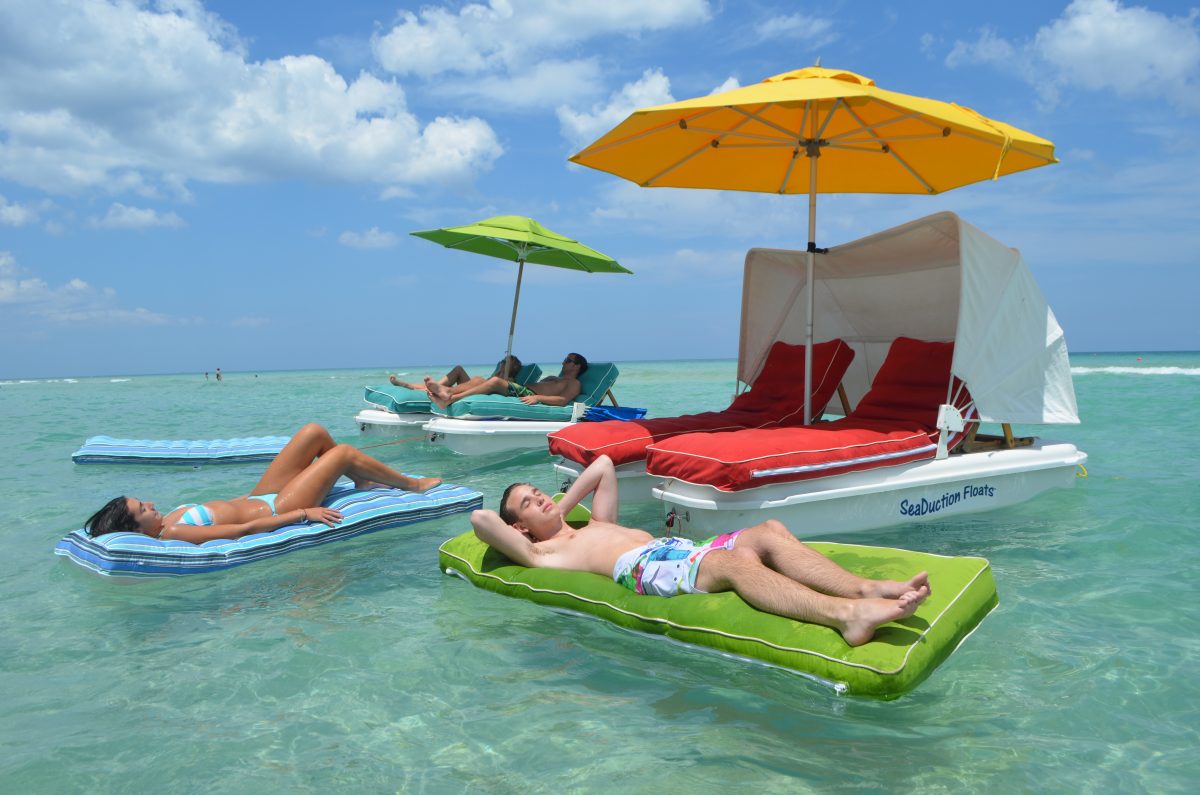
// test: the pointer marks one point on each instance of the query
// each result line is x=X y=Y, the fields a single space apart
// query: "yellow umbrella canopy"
x=856 y=137
x=869 y=140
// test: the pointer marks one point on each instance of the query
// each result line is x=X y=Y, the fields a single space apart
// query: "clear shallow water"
x=360 y=666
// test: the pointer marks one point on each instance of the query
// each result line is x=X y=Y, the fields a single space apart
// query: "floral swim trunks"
x=667 y=566
x=516 y=390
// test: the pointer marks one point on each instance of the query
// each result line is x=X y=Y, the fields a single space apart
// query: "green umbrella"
x=520 y=240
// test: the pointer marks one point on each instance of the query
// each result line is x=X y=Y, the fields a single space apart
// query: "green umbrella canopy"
x=520 y=240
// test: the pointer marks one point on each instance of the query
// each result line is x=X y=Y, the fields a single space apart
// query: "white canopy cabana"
x=936 y=278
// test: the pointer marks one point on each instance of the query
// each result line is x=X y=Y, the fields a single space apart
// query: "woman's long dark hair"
x=514 y=367
x=114 y=517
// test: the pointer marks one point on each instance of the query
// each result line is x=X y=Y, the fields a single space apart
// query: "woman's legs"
x=310 y=487
x=308 y=443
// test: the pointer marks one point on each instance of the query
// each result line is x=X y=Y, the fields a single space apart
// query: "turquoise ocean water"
x=359 y=666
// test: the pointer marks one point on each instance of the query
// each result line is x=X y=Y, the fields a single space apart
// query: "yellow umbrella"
x=858 y=138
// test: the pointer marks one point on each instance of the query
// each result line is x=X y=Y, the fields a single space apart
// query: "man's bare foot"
x=867 y=615
x=425 y=484
x=438 y=393
x=893 y=589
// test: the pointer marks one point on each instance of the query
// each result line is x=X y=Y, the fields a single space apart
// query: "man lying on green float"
x=765 y=565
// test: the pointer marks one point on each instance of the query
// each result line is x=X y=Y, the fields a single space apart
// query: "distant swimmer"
x=206 y=375
x=290 y=491
x=218 y=373
x=458 y=376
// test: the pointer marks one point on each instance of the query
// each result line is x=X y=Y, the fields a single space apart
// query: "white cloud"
x=729 y=85
x=148 y=96
x=507 y=48
x=1101 y=45
x=987 y=49
x=76 y=301
x=120 y=216
x=927 y=42
x=582 y=127
x=813 y=31
x=372 y=238
x=13 y=214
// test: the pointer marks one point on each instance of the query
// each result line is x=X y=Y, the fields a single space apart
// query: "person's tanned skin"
x=768 y=567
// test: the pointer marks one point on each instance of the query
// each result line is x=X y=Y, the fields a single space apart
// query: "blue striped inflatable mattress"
x=364 y=511
x=107 y=450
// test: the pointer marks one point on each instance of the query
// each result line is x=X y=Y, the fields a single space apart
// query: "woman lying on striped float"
x=290 y=491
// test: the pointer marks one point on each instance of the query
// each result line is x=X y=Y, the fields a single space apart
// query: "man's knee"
x=726 y=566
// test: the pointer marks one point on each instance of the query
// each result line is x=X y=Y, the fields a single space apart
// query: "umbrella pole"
x=809 y=269
x=512 y=323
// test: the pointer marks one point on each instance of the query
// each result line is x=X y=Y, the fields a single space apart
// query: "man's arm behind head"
x=491 y=530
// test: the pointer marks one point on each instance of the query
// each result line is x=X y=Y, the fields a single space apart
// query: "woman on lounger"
x=290 y=491
x=458 y=376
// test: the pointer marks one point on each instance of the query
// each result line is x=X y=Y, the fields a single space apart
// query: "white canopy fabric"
x=937 y=278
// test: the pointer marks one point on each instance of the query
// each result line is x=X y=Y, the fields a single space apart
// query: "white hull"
x=874 y=498
x=377 y=422
x=481 y=437
x=634 y=484
x=922 y=491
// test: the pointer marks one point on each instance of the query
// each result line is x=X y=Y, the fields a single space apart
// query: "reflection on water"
x=360 y=666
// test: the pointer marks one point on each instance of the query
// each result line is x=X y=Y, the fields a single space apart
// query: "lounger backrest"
x=910 y=385
x=526 y=375
x=598 y=379
x=781 y=380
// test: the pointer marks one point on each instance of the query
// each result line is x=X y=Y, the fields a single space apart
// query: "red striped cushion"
x=894 y=423
x=751 y=458
x=776 y=399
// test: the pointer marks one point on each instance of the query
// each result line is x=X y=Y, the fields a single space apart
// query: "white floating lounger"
x=107 y=450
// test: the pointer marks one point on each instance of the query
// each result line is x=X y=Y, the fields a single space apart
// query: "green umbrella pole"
x=512 y=323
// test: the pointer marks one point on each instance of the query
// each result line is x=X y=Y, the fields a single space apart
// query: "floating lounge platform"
x=484 y=424
x=397 y=410
x=364 y=511
x=901 y=655
x=107 y=450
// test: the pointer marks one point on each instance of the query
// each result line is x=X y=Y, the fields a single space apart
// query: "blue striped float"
x=107 y=450
x=364 y=511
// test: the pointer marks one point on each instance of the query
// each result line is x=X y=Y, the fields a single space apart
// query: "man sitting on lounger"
x=553 y=390
x=458 y=375
x=766 y=565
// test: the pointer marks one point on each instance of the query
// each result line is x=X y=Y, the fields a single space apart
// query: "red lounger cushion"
x=894 y=423
x=776 y=399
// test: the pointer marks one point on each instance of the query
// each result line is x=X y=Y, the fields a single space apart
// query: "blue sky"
x=189 y=185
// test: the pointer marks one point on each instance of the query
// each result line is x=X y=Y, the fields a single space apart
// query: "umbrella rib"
x=594 y=150
x=790 y=140
x=756 y=117
x=832 y=112
x=894 y=120
x=649 y=182
x=870 y=130
x=999 y=144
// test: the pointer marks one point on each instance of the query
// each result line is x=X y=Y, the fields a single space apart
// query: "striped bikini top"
x=196 y=515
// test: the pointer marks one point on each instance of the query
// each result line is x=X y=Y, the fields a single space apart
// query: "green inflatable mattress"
x=901 y=655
